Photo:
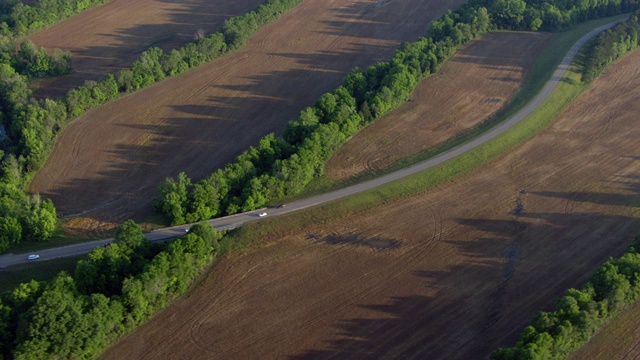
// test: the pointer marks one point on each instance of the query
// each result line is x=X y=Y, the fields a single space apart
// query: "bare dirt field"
x=472 y=86
x=450 y=274
x=107 y=39
x=107 y=164
x=619 y=340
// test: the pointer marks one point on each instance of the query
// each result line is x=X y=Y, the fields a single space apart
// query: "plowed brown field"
x=472 y=86
x=107 y=164
x=107 y=39
x=449 y=274
x=620 y=339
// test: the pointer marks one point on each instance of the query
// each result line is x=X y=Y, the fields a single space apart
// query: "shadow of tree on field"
x=119 y=49
x=210 y=130
x=513 y=268
x=357 y=240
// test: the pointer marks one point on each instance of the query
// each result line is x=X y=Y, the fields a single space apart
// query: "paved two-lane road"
x=234 y=221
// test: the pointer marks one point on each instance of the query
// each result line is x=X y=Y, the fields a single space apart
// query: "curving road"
x=234 y=221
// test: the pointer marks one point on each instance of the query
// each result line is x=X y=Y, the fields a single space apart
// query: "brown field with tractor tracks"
x=106 y=39
x=475 y=83
x=620 y=339
x=107 y=164
x=452 y=273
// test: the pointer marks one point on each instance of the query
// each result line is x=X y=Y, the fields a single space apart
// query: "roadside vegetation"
x=609 y=46
x=32 y=125
x=281 y=168
x=116 y=288
x=111 y=291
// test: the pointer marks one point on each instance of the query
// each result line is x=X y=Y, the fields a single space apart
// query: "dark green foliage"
x=610 y=45
x=283 y=167
x=37 y=63
x=255 y=179
x=32 y=126
x=105 y=268
x=580 y=313
x=63 y=323
x=17 y=18
x=237 y=30
x=114 y=289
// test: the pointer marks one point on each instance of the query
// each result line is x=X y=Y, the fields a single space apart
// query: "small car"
x=281 y=206
x=33 y=257
x=187 y=230
x=262 y=214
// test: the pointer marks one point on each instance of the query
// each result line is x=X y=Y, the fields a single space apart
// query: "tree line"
x=112 y=291
x=281 y=167
x=580 y=312
x=117 y=287
x=18 y=18
x=32 y=125
x=610 y=45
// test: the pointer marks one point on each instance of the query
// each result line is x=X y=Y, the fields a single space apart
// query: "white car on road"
x=262 y=214
x=33 y=257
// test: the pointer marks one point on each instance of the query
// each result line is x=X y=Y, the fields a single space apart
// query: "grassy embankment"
x=566 y=92
x=533 y=84
x=274 y=228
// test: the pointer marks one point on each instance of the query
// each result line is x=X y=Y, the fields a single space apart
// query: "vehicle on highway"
x=33 y=257
x=281 y=206
x=262 y=214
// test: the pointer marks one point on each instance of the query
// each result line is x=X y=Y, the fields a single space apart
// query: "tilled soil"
x=107 y=164
x=452 y=273
x=475 y=83
x=109 y=38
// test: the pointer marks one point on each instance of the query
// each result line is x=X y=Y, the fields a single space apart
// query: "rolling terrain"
x=108 y=38
x=107 y=164
x=452 y=273
x=477 y=81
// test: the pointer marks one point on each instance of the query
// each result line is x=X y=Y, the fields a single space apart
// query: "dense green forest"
x=116 y=288
x=32 y=125
x=580 y=312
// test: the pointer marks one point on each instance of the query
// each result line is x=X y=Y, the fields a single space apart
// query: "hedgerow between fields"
x=283 y=167
x=32 y=125
x=116 y=288
x=17 y=18
x=580 y=312
x=609 y=46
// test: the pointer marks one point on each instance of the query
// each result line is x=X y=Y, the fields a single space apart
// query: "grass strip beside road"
x=544 y=67
x=564 y=94
x=13 y=276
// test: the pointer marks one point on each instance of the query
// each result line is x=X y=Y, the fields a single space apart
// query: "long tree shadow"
x=109 y=46
x=514 y=268
x=205 y=135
